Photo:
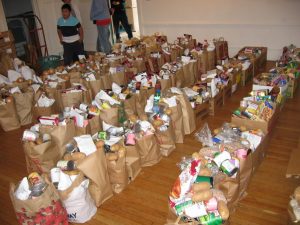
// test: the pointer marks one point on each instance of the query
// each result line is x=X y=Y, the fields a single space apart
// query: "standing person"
x=74 y=9
x=119 y=15
x=100 y=15
x=70 y=34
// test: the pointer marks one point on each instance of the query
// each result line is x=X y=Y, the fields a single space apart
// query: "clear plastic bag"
x=205 y=136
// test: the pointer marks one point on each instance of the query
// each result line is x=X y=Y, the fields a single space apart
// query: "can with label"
x=29 y=135
x=83 y=107
x=37 y=183
x=66 y=165
x=55 y=175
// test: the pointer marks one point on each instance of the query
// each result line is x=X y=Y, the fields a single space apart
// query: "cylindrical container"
x=83 y=107
x=211 y=205
x=37 y=184
x=66 y=165
x=55 y=175
x=29 y=135
x=241 y=153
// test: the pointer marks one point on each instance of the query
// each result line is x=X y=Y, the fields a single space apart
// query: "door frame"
x=3 y=22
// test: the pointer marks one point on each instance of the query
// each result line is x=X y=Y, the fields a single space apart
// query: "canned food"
x=83 y=107
x=38 y=185
x=29 y=135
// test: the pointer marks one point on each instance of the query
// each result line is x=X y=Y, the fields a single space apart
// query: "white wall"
x=271 y=23
x=50 y=10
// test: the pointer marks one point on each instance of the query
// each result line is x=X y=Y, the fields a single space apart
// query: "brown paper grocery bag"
x=203 y=61
x=24 y=104
x=61 y=135
x=106 y=81
x=95 y=87
x=165 y=84
x=130 y=105
x=119 y=78
x=9 y=119
x=174 y=54
x=53 y=93
x=74 y=77
x=47 y=207
x=87 y=96
x=166 y=140
x=41 y=158
x=139 y=65
x=188 y=114
x=179 y=77
x=188 y=73
x=70 y=99
x=110 y=116
x=95 y=124
x=173 y=79
x=177 y=122
x=195 y=70
x=230 y=188
x=43 y=111
x=149 y=150
x=118 y=175
x=82 y=130
x=133 y=162
x=141 y=100
x=211 y=59
x=22 y=85
x=245 y=174
x=94 y=166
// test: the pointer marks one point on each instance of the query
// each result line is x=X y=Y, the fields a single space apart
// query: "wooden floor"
x=144 y=202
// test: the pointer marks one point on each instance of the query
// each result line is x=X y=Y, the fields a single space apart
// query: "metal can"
x=38 y=185
x=83 y=107
x=29 y=135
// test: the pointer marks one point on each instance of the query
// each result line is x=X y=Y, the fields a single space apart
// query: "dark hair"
x=66 y=6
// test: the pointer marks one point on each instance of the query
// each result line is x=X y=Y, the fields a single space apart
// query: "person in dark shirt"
x=70 y=34
x=119 y=15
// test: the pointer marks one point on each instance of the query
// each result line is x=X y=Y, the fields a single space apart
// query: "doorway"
x=133 y=19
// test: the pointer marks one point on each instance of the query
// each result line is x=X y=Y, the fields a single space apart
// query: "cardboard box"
x=201 y=111
x=247 y=75
x=283 y=89
x=6 y=38
x=265 y=126
x=9 y=50
x=292 y=87
x=215 y=103
x=260 y=153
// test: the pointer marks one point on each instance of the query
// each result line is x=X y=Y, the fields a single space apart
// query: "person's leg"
x=68 y=53
x=77 y=50
x=125 y=24
x=116 y=22
x=99 y=39
x=103 y=36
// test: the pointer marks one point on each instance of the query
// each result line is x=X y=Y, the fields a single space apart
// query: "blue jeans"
x=103 y=42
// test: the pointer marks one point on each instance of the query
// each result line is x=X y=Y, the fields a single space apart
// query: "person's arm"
x=80 y=30
x=60 y=36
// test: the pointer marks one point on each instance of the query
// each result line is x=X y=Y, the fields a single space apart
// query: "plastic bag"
x=205 y=136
